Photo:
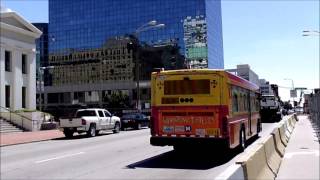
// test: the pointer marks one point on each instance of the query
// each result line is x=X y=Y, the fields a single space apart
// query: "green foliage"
x=117 y=100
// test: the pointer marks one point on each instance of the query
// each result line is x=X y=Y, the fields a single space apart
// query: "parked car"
x=90 y=121
x=134 y=120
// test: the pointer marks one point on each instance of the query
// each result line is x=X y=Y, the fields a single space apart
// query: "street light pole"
x=40 y=88
x=138 y=106
x=311 y=33
x=292 y=84
x=150 y=25
x=41 y=72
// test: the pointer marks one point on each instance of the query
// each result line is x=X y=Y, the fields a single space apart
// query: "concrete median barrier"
x=294 y=119
x=255 y=164
x=288 y=131
x=288 y=126
x=263 y=160
x=280 y=148
x=291 y=125
x=273 y=157
x=282 y=132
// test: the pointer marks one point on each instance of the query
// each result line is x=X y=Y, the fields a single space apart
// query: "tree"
x=118 y=100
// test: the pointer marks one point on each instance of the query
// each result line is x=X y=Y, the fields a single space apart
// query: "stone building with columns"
x=17 y=62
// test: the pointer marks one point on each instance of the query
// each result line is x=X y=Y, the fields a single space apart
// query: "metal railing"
x=23 y=118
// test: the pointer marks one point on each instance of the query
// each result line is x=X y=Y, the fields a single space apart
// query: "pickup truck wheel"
x=116 y=128
x=92 y=131
x=68 y=133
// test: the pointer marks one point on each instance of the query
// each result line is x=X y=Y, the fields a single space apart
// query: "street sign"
x=293 y=93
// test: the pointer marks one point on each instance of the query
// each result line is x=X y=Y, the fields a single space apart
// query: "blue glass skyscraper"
x=87 y=24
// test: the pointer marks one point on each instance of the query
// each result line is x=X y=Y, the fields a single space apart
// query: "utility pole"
x=150 y=25
x=41 y=72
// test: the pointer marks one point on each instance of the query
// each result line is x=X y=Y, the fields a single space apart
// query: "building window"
x=24 y=91
x=7 y=61
x=7 y=92
x=24 y=64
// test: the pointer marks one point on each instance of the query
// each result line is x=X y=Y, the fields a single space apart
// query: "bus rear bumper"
x=189 y=141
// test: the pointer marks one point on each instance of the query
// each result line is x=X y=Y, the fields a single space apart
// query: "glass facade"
x=87 y=24
x=42 y=48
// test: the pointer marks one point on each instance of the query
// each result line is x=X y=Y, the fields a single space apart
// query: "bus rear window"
x=183 y=87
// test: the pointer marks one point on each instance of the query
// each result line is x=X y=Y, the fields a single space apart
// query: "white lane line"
x=59 y=157
x=234 y=171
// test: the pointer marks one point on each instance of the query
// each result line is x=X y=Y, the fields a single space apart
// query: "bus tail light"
x=225 y=129
x=83 y=122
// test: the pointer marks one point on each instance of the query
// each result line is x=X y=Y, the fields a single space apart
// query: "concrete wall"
x=15 y=79
x=30 y=121
x=18 y=37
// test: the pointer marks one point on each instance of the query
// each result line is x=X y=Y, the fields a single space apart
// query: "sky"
x=266 y=34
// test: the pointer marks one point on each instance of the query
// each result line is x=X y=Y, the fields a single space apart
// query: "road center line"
x=59 y=157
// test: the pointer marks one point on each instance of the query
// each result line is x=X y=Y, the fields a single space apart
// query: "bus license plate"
x=213 y=131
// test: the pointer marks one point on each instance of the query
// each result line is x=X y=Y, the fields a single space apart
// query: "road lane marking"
x=234 y=171
x=289 y=155
x=59 y=157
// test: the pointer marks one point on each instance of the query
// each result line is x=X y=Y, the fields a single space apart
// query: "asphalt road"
x=127 y=155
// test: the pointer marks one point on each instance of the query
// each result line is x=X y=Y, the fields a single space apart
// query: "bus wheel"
x=242 y=140
x=259 y=126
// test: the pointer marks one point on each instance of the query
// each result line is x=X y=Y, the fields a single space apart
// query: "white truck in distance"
x=270 y=109
x=90 y=121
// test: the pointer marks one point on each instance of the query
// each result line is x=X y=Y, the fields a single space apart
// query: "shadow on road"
x=190 y=159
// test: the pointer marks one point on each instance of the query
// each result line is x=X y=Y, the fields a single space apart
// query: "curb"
x=28 y=137
x=28 y=142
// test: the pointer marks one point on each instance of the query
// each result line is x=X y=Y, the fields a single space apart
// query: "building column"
x=2 y=79
x=17 y=80
x=31 y=86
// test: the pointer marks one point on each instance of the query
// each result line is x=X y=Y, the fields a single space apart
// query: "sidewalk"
x=301 y=159
x=27 y=137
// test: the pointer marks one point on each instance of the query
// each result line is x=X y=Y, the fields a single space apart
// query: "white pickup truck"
x=270 y=109
x=90 y=121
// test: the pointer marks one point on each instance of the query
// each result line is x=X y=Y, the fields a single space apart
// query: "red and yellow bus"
x=203 y=107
